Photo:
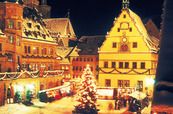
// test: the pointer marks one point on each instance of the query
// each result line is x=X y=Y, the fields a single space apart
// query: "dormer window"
x=29 y=25
x=44 y=36
x=69 y=34
x=38 y=27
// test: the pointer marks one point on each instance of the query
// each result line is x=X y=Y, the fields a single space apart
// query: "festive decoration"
x=87 y=96
x=130 y=70
x=32 y=74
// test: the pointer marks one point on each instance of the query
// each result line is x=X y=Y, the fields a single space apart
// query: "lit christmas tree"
x=87 y=96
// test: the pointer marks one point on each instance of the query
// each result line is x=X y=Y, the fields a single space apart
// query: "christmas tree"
x=87 y=96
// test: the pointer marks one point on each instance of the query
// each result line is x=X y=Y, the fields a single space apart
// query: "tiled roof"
x=88 y=45
x=34 y=30
x=151 y=42
x=152 y=29
x=59 y=26
x=33 y=26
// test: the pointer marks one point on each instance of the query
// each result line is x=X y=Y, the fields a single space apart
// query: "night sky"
x=95 y=17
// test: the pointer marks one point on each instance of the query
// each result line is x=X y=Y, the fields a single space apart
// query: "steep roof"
x=152 y=29
x=152 y=42
x=34 y=27
x=89 y=45
x=35 y=31
x=59 y=26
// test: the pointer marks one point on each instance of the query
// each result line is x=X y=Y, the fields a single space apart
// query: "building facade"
x=128 y=56
x=30 y=57
x=87 y=54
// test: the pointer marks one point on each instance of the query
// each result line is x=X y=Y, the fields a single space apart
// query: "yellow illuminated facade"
x=128 y=56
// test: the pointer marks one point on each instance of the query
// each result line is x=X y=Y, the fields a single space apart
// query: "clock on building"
x=124 y=39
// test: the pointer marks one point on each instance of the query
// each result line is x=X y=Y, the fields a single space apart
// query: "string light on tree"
x=87 y=96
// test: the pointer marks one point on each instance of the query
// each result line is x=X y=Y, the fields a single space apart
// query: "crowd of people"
x=133 y=104
x=121 y=102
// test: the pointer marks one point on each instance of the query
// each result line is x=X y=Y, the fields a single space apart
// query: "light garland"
x=131 y=70
x=33 y=74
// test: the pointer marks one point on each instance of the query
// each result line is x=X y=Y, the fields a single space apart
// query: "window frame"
x=107 y=82
x=135 y=45
x=106 y=65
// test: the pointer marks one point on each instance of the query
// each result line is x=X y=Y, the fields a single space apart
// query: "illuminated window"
x=142 y=65
x=120 y=83
x=29 y=49
x=120 y=64
x=44 y=51
x=105 y=64
x=107 y=83
x=135 y=45
x=11 y=24
x=0 y=47
x=126 y=65
x=36 y=50
x=113 y=64
x=114 y=45
x=76 y=59
x=84 y=59
x=50 y=66
x=134 y=65
x=25 y=48
x=123 y=83
x=50 y=51
x=126 y=83
x=11 y=39
x=10 y=57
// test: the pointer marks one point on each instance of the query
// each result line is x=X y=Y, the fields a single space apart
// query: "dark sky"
x=95 y=17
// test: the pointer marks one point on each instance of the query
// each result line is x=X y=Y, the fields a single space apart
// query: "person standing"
x=8 y=95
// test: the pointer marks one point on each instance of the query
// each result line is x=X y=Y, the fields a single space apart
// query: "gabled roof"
x=59 y=26
x=33 y=26
x=89 y=45
x=151 y=42
x=36 y=31
x=152 y=29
